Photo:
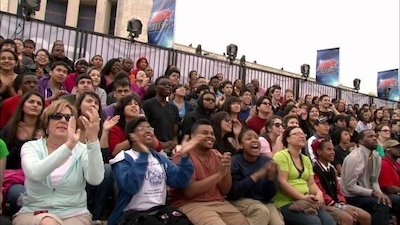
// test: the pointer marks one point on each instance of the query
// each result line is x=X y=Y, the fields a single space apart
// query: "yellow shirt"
x=295 y=179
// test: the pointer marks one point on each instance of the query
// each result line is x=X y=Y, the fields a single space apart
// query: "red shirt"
x=116 y=136
x=8 y=109
x=389 y=176
x=256 y=124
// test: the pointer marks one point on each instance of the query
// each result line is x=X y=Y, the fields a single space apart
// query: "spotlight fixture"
x=386 y=93
x=231 y=51
x=356 y=84
x=243 y=60
x=29 y=7
x=305 y=70
x=134 y=28
x=199 y=50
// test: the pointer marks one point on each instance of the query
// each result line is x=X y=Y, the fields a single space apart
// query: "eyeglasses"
x=209 y=99
x=165 y=84
x=385 y=130
x=277 y=125
x=59 y=116
x=227 y=119
x=298 y=134
x=266 y=103
x=145 y=129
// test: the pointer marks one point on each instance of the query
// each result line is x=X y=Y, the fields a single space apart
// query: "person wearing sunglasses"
x=271 y=139
x=263 y=111
x=57 y=167
x=226 y=132
x=297 y=185
x=204 y=110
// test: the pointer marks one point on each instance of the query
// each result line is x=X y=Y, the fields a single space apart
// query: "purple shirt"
x=140 y=91
x=109 y=111
x=45 y=89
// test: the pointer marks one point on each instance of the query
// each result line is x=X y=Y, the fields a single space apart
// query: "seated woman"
x=128 y=108
x=140 y=85
x=326 y=179
x=89 y=102
x=297 y=187
x=271 y=139
x=142 y=175
x=226 y=132
x=24 y=126
x=58 y=166
x=254 y=182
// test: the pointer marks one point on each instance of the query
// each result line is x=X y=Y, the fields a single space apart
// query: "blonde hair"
x=54 y=108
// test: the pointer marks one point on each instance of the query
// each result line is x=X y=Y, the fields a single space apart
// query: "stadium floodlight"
x=305 y=70
x=134 y=28
x=231 y=52
x=356 y=84
x=29 y=7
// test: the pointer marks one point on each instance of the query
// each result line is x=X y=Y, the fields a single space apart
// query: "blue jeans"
x=4 y=220
x=13 y=194
x=98 y=195
x=301 y=218
x=395 y=205
x=380 y=213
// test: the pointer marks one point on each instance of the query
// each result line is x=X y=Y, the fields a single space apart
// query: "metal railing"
x=80 y=43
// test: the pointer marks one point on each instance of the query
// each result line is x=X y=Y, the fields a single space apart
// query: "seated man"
x=203 y=200
x=142 y=176
x=83 y=83
x=389 y=180
x=360 y=173
x=51 y=87
x=326 y=179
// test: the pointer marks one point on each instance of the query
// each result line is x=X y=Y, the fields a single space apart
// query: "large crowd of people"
x=93 y=142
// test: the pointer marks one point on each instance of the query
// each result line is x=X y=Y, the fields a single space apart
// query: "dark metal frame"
x=82 y=43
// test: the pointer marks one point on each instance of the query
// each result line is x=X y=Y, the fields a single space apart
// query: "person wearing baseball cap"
x=325 y=177
x=389 y=179
x=321 y=126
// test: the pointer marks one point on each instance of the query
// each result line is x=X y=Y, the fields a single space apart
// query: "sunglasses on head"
x=59 y=116
x=227 y=119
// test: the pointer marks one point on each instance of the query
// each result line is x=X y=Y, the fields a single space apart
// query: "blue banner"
x=327 y=71
x=160 y=30
x=390 y=79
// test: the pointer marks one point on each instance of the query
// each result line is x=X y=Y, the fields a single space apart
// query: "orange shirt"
x=202 y=170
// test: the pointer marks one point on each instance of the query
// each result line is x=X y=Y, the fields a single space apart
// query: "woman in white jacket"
x=57 y=167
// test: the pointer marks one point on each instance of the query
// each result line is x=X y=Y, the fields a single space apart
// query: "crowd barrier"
x=80 y=43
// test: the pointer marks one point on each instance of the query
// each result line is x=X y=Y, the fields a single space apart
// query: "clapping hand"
x=271 y=170
x=136 y=144
x=91 y=124
x=188 y=146
x=236 y=127
x=73 y=133
x=225 y=165
x=110 y=122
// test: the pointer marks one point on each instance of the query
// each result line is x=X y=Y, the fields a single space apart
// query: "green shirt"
x=3 y=149
x=380 y=151
x=286 y=164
